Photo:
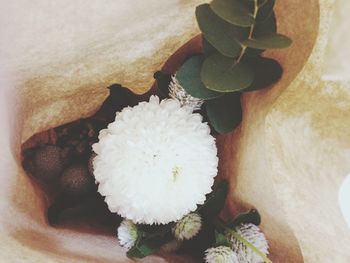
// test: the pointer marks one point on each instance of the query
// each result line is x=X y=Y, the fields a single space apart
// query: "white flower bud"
x=187 y=227
x=254 y=236
x=220 y=254
x=127 y=234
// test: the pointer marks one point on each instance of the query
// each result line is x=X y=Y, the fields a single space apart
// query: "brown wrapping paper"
x=288 y=157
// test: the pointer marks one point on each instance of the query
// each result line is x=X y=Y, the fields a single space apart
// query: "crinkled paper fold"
x=288 y=158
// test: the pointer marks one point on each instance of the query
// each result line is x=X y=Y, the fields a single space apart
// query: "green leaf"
x=268 y=27
x=261 y=2
x=235 y=12
x=150 y=242
x=222 y=74
x=251 y=52
x=189 y=78
x=267 y=71
x=224 y=113
x=135 y=252
x=272 y=41
x=215 y=202
x=265 y=28
x=221 y=240
x=265 y=10
x=219 y=33
x=252 y=217
x=208 y=48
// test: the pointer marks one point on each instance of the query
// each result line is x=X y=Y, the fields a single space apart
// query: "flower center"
x=175 y=172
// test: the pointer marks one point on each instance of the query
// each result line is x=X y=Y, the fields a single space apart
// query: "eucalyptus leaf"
x=189 y=78
x=272 y=41
x=235 y=12
x=265 y=10
x=251 y=52
x=268 y=27
x=215 y=202
x=224 y=113
x=208 y=48
x=265 y=28
x=252 y=217
x=222 y=74
x=267 y=71
x=219 y=33
x=261 y=3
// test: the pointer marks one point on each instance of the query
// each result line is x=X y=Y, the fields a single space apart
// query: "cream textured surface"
x=288 y=158
x=294 y=148
x=338 y=52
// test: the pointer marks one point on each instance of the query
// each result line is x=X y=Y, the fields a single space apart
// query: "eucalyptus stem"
x=250 y=245
x=251 y=31
x=255 y=13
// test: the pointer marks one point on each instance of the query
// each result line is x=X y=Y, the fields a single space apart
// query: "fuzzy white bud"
x=254 y=236
x=187 y=227
x=220 y=254
x=127 y=234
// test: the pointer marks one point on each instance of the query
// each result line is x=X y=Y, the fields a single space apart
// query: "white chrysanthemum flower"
x=156 y=162
x=176 y=91
x=254 y=236
x=220 y=254
x=171 y=246
x=187 y=227
x=127 y=234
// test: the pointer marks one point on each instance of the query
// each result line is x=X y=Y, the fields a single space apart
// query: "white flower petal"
x=156 y=162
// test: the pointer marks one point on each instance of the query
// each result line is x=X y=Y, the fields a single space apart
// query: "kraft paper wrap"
x=288 y=158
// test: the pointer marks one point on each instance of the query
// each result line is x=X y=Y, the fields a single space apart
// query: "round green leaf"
x=224 y=113
x=251 y=52
x=266 y=70
x=189 y=78
x=208 y=48
x=272 y=41
x=222 y=74
x=265 y=10
x=265 y=28
x=235 y=12
x=268 y=27
x=219 y=33
x=261 y=2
